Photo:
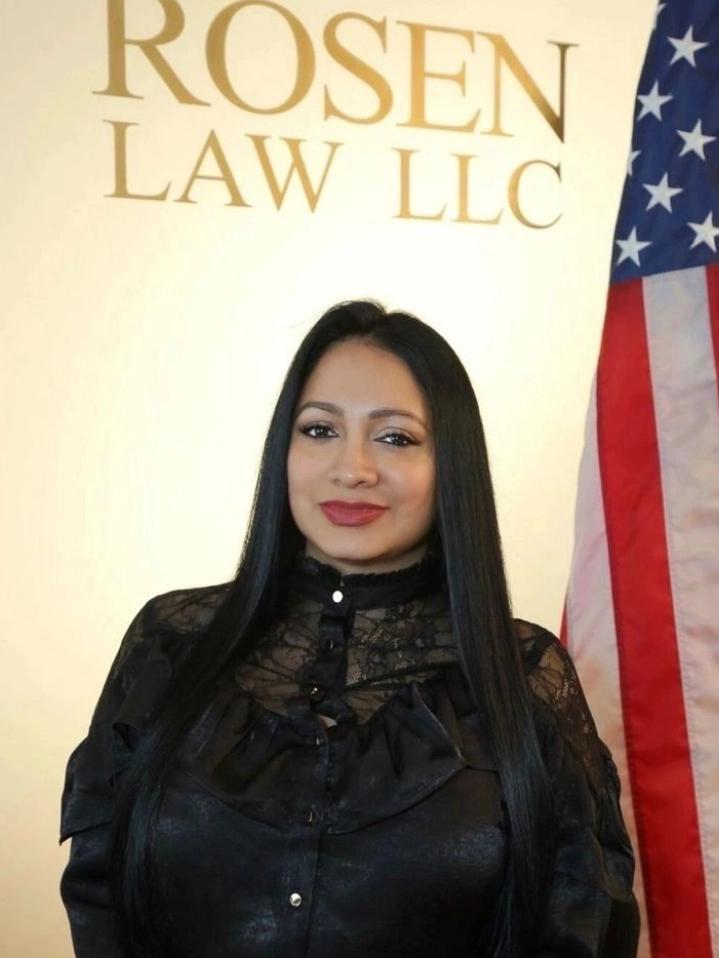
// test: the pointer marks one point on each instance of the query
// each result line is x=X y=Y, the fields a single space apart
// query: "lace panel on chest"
x=369 y=656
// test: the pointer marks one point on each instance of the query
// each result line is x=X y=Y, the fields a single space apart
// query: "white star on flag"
x=694 y=140
x=652 y=102
x=630 y=161
x=631 y=247
x=685 y=48
x=662 y=193
x=706 y=232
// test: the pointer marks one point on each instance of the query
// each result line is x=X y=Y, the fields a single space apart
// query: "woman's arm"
x=88 y=803
x=157 y=639
x=85 y=895
x=591 y=911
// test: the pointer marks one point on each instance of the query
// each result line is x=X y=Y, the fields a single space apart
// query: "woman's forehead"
x=356 y=372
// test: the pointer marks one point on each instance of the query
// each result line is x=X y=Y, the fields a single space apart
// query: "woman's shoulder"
x=183 y=610
x=562 y=715
x=548 y=666
x=166 y=623
x=156 y=641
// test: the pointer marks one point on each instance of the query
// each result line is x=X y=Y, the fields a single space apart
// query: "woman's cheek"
x=416 y=485
x=298 y=468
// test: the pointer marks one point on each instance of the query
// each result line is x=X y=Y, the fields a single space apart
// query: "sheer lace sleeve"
x=592 y=912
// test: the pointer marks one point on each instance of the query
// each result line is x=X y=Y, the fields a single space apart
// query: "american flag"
x=642 y=610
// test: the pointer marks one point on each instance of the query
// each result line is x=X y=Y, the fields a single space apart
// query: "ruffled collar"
x=317 y=580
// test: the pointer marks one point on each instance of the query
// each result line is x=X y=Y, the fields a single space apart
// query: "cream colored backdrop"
x=143 y=339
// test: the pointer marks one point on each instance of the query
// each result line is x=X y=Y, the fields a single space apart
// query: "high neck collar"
x=371 y=590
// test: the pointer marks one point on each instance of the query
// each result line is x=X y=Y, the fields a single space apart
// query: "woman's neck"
x=371 y=566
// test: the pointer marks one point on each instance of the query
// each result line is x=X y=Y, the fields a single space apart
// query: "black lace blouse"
x=338 y=798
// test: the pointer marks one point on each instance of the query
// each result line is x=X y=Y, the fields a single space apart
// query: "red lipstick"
x=342 y=513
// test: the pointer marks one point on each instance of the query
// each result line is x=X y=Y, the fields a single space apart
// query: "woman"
x=352 y=749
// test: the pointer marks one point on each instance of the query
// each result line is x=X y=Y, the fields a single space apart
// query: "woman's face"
x=360 y=467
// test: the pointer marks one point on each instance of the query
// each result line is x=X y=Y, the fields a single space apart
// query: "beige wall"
x=143 y=340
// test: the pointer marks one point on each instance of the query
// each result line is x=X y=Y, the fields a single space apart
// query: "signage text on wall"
x=288 y=163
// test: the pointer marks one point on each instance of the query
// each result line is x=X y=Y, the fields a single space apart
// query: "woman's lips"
x=351 y=513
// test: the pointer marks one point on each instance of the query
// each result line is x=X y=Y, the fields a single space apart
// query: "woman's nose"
x=354 y=464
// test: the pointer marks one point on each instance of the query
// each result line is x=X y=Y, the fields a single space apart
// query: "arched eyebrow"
x=383 y=413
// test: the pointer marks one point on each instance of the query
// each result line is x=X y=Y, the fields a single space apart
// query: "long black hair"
x=468 y=541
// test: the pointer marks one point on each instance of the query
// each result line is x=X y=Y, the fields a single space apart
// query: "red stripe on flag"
x=650 y=673
x=713 y=297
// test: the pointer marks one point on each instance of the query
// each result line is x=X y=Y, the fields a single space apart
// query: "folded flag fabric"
x=642 y=609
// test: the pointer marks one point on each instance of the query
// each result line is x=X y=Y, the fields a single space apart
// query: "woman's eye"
x=317 y=430
x=397 y=439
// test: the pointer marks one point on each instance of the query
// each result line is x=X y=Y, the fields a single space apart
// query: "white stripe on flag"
x=684 y=383
x=591 y=635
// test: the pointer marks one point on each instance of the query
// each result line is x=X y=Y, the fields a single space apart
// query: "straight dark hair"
x=468 y=543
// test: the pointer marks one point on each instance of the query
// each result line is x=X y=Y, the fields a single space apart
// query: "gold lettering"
x=420 y=74
x=405 y=203
x=513 y=193
x=212 y=145
x=297 y=165
x=216 y=52
x=118 y=41
x=463 y=214
x=358 y=68
x=503 y=53
x=121 y=190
